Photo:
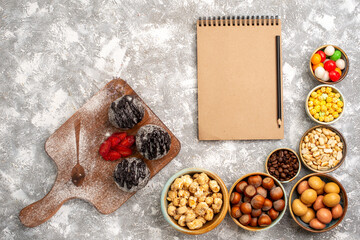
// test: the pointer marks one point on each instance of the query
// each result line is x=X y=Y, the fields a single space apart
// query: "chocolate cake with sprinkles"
x=153 y=142
x=131 y=174
x=125 y=112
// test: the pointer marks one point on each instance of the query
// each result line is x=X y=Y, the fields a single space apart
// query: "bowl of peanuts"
x=325 y=104
x=322 y=149
x=194 y=201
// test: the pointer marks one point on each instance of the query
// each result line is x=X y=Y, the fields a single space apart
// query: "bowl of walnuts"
x=194 y=201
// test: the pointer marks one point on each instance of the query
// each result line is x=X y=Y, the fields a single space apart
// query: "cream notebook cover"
x=237 y=89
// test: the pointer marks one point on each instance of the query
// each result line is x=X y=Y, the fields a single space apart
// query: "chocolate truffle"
x=131 y=174
x=153 y=142
x=126 y=112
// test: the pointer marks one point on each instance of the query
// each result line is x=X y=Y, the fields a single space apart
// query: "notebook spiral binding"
x=239 y=21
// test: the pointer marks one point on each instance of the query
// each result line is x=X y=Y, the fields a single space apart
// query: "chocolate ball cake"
x=126 y=112
x=131 y=174
x=153 y=142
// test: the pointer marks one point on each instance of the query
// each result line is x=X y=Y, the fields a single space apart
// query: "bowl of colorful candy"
x=329 y=64
x=325 y=104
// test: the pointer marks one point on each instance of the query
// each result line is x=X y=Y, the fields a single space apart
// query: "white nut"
x=178 y=184
x=190 y=216
x=214 y=186
x=181 y=210
x=182 y=220
x=171 y=210
x=183 y=202
x=196 y=224
x=209 y=200
x=193 y=187
x=192 y=202
x=209 y=215
x=201 y=209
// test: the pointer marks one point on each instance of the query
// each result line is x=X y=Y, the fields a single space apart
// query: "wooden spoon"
x=78 y=172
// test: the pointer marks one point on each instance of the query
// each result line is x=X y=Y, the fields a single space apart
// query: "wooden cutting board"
x=98 y=187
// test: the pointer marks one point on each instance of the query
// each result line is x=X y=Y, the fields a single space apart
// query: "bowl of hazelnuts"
x=194 y=201
x=257 y=201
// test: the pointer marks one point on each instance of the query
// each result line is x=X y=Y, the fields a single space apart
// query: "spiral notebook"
x=237 y=81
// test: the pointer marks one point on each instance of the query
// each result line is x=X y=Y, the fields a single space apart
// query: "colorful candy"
x=334 y=76
x=319 y=72
x=317 y=65
x=336 y=55
x=338 y=70
x=322 y=55
x=327 y=64
x=324 y=104
x=330 y=65
x=326 y=76
x=340 y=63
x=316 y=59
x=329 y=50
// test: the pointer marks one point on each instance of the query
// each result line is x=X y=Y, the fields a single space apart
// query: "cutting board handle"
x=40 y=211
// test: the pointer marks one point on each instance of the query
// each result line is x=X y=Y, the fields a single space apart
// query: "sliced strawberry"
x=114 y=140
x=120 y=135
x=104 y=148
x=128 y=141
x=124 y=151
x=112 y=156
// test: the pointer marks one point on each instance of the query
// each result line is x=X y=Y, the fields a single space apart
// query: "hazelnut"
x=235 y=197
x=245 y=208
x=276 y=193
x=241 y=186
x=256 y=181
x=267 y=205
x=279 y=205
x=268 y=183
x=257 y=202
x=262 y=191
x=273 y=214
x=253 y=222
x=247 y=199
x=256 y=212
x=264 y=220
x=245 y=219
x=235 y=212
x=250 y=191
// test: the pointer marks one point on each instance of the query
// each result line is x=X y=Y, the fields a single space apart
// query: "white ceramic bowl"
x=335 y=90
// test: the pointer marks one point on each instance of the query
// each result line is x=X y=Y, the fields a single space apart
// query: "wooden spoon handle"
x=40 y=211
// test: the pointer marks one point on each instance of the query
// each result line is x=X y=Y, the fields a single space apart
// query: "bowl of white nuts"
x=194 y=201
x=322 y=149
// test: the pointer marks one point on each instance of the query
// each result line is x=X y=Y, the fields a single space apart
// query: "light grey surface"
x=56 y=54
